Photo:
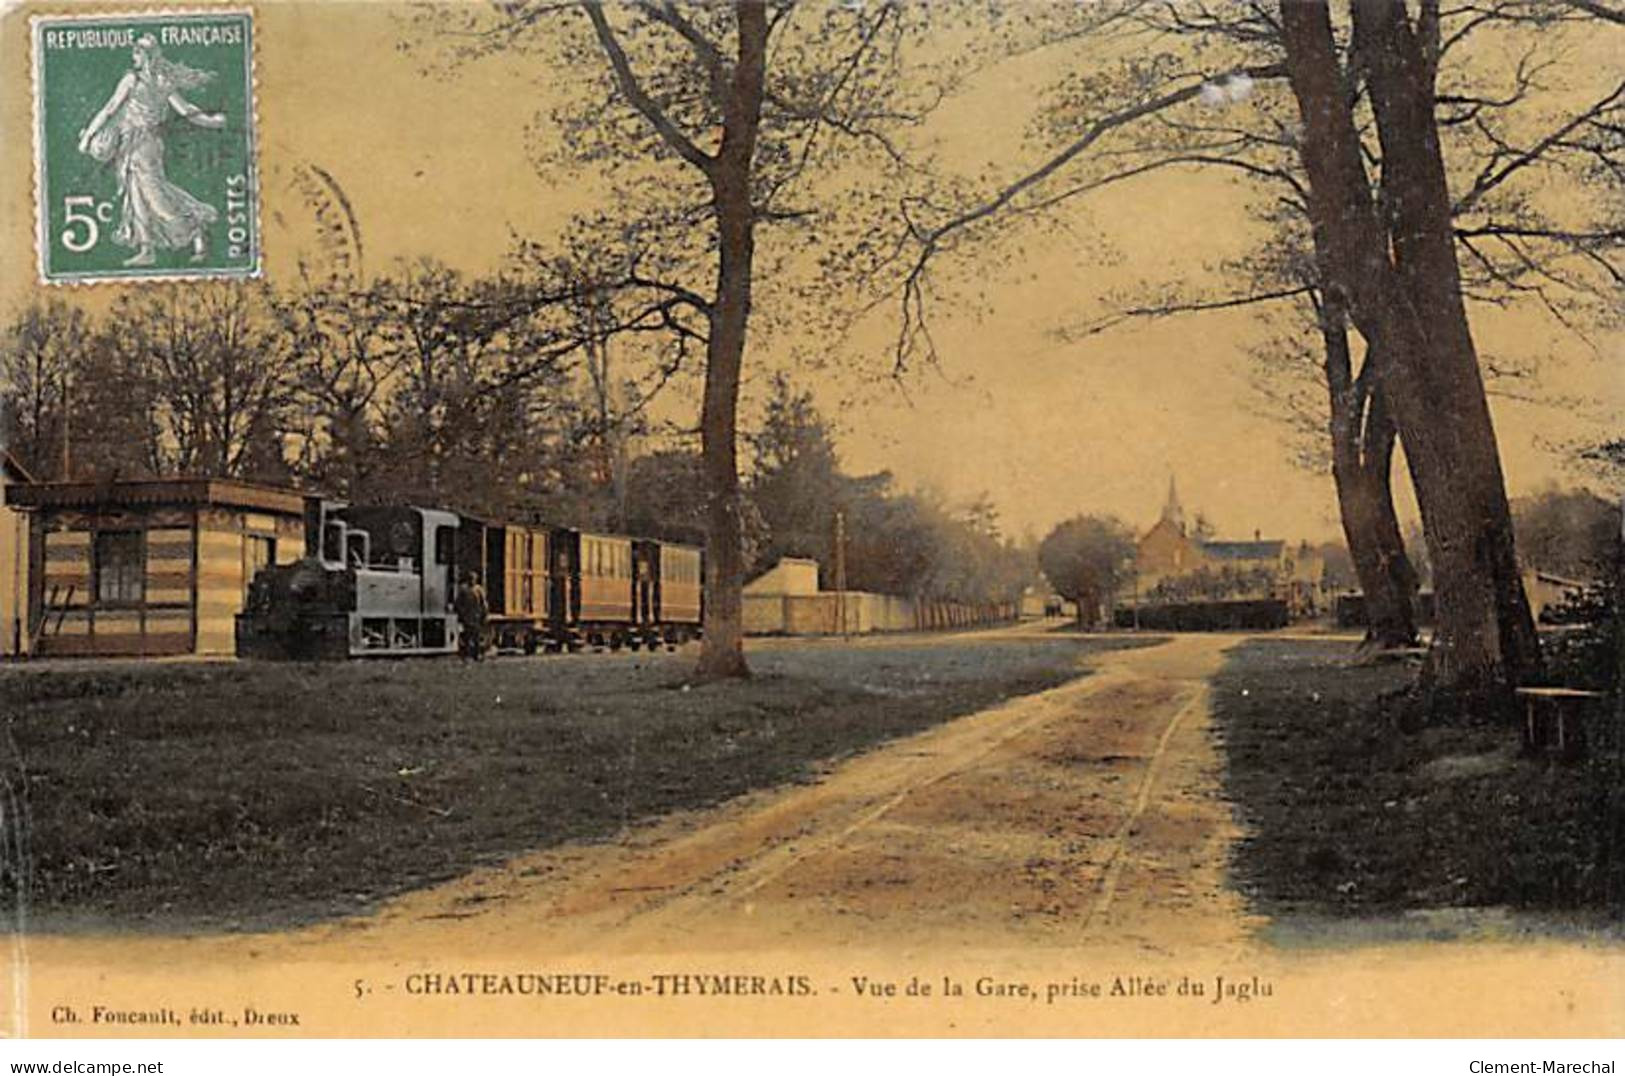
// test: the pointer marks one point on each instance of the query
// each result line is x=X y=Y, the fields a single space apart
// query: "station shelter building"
x=150 y=567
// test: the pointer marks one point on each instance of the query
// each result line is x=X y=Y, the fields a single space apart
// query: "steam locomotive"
x=379 y=581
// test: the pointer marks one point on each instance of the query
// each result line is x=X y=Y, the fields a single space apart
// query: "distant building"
x=1170 y=561
x=1166 y=551
x=791 y=575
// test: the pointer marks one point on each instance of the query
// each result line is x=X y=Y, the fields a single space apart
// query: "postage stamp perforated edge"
x=36 y=24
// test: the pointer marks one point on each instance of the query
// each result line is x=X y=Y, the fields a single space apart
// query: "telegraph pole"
x=840 y=570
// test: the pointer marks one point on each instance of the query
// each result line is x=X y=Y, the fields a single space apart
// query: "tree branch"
x=1491 y=177
x=931 y=240
x=635 y=95
x=1164 y=310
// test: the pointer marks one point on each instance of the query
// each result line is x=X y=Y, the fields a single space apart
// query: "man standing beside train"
x=471 y=608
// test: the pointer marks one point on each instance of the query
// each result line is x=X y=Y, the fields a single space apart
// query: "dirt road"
x=1089 y=813
x=1065 y=841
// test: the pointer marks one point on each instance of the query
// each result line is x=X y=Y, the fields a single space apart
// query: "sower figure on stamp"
x=155 y=214
x=470 y=606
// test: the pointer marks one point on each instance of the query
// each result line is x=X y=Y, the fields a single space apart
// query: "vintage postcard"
x=786 y=518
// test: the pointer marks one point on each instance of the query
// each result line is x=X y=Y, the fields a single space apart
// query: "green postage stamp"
x=144 y=145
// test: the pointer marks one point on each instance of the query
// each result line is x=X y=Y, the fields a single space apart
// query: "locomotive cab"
x=381 y=583
x=404 y=563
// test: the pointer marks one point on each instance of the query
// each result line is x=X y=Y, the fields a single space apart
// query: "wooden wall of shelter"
x=150 y=568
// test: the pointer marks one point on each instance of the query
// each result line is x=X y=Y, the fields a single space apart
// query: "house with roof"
x=1173 y=563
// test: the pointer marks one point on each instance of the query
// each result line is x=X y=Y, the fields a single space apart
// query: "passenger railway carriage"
x=381 y=582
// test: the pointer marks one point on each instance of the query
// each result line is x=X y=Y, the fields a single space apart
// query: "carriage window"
x=119 y=564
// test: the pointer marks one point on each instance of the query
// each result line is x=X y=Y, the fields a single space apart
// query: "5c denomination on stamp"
x=144 y=147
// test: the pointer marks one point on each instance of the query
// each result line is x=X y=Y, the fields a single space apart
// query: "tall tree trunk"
x=1363 y=438
x=1375 y=479
x=1476 y=523
x=1365 y=493
x=1416 y=321
x=723 y=653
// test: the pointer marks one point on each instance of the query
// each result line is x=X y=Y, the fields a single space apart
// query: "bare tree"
x=341 y=365
x=1402 y=284
x=40 y=359
x=743 y=108
x=206 y=354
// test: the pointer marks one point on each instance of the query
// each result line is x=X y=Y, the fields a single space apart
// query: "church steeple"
x=1172 y=512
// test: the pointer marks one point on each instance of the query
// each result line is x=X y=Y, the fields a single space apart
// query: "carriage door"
x=642 y=585
x=558 y=579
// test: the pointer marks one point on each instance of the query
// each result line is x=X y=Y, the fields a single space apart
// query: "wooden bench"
x=1553 y=714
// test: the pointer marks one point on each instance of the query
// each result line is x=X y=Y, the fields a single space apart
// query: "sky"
x=1048 y=429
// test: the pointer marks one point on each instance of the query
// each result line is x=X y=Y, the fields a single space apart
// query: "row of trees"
x=760 y=134
x=432 y=389
x=1395 y=153
x=424 y=387
x=1394 y=158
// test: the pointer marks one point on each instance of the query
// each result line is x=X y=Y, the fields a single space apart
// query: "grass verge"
x=256 y=795
x=1348 y=817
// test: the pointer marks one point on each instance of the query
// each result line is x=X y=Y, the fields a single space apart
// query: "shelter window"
x=119 y=567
